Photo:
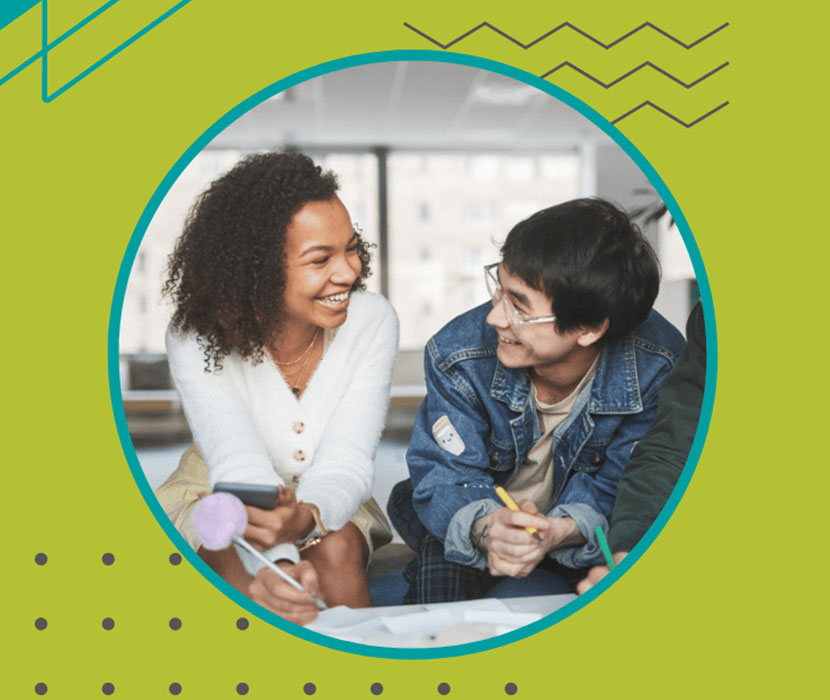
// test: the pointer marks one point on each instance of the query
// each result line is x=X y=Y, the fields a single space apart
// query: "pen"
x=606 y=550
x=511 y=504
x=247 y=546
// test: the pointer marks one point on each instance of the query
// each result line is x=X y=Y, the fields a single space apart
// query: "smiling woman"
x=322 y=265
x=283 y=363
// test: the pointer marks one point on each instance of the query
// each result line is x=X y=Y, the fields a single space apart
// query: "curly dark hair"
x=226 y=274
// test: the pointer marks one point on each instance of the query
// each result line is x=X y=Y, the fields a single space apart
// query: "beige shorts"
x=185 y=486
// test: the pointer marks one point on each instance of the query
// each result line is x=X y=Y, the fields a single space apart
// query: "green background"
x=729 y=599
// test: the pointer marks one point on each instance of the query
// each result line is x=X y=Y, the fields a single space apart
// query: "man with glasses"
x=544 y=392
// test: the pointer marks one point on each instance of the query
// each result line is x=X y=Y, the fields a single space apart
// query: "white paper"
x=343 y=620
x=429 y=622
x=483 y=604
x=507 y=618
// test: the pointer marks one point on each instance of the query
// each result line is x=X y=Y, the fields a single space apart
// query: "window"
x=473 y=201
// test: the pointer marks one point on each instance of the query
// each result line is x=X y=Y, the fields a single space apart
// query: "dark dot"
x=242 y=623
x=175 y=558
x=376 y=688
x=108 y=559
x=108 y=689
x=41 y=688
x=175 y=688
x=510 y=689
x=175 y=623
x=107 y=623
x=242 y=689
x=41 y=623
x=444 y=688
x=40 y=560
x=309 y=688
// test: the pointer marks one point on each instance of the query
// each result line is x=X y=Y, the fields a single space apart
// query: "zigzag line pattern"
x=647 y=64
x=649 y=103
x=566 y=25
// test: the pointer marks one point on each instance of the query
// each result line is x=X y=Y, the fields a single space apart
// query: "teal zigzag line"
x=46 y=46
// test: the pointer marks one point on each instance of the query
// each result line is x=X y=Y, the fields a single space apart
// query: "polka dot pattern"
x=241 y=623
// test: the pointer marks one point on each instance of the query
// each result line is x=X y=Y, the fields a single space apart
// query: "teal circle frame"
x=436 y=57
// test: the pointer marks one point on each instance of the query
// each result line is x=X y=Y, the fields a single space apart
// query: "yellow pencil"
x=510 y=503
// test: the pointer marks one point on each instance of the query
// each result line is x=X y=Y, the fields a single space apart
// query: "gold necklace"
x=304 y=353
x=292 y=381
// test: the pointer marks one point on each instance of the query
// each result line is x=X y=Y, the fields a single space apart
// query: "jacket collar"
x=616 y=385
x=615 y=388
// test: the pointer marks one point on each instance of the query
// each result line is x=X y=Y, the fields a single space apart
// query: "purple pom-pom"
x=218 y=518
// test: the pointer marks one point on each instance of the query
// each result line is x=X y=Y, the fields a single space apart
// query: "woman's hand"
x=288 y=521
x=280 y=597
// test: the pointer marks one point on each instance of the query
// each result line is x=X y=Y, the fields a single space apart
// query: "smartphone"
x=256 y=495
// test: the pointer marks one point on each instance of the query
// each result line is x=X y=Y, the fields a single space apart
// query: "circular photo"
x=412 y=356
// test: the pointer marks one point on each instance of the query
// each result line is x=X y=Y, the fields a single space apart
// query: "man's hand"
x=288 y=521
x=597 y=573
x=280 y=597
x=511 y=550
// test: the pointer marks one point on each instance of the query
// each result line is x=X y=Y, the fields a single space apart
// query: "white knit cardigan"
x=249 y=426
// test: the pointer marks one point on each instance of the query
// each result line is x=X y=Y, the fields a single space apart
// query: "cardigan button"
x=298 y=427
x=299 y=455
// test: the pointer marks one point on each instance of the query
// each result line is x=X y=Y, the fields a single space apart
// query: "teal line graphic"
x=10 y=10
x=47 y=46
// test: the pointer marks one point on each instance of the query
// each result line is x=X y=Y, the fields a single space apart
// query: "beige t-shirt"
x=534 y=479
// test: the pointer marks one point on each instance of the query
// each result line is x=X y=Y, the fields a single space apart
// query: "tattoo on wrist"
x=478 y=536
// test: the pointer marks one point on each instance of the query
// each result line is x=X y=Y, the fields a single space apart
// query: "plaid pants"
x=433 y=579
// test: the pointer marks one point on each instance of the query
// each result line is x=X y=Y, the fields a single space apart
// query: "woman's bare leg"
x=340 y=561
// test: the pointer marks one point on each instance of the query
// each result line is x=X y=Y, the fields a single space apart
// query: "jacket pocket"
x=591 y=458
x=501 y=456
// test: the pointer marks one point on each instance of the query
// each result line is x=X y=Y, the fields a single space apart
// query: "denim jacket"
x=491 y=425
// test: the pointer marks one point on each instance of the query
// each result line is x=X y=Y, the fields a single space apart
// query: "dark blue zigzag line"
x=649 y=103
x=648 y=64
x=567 y=25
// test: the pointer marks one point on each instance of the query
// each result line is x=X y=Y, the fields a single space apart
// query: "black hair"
x=225 y=275
x=591 y=260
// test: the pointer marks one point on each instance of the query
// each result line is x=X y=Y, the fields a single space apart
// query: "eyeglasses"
x=497 y=294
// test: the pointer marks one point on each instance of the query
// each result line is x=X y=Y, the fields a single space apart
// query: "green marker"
x=606 y=550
